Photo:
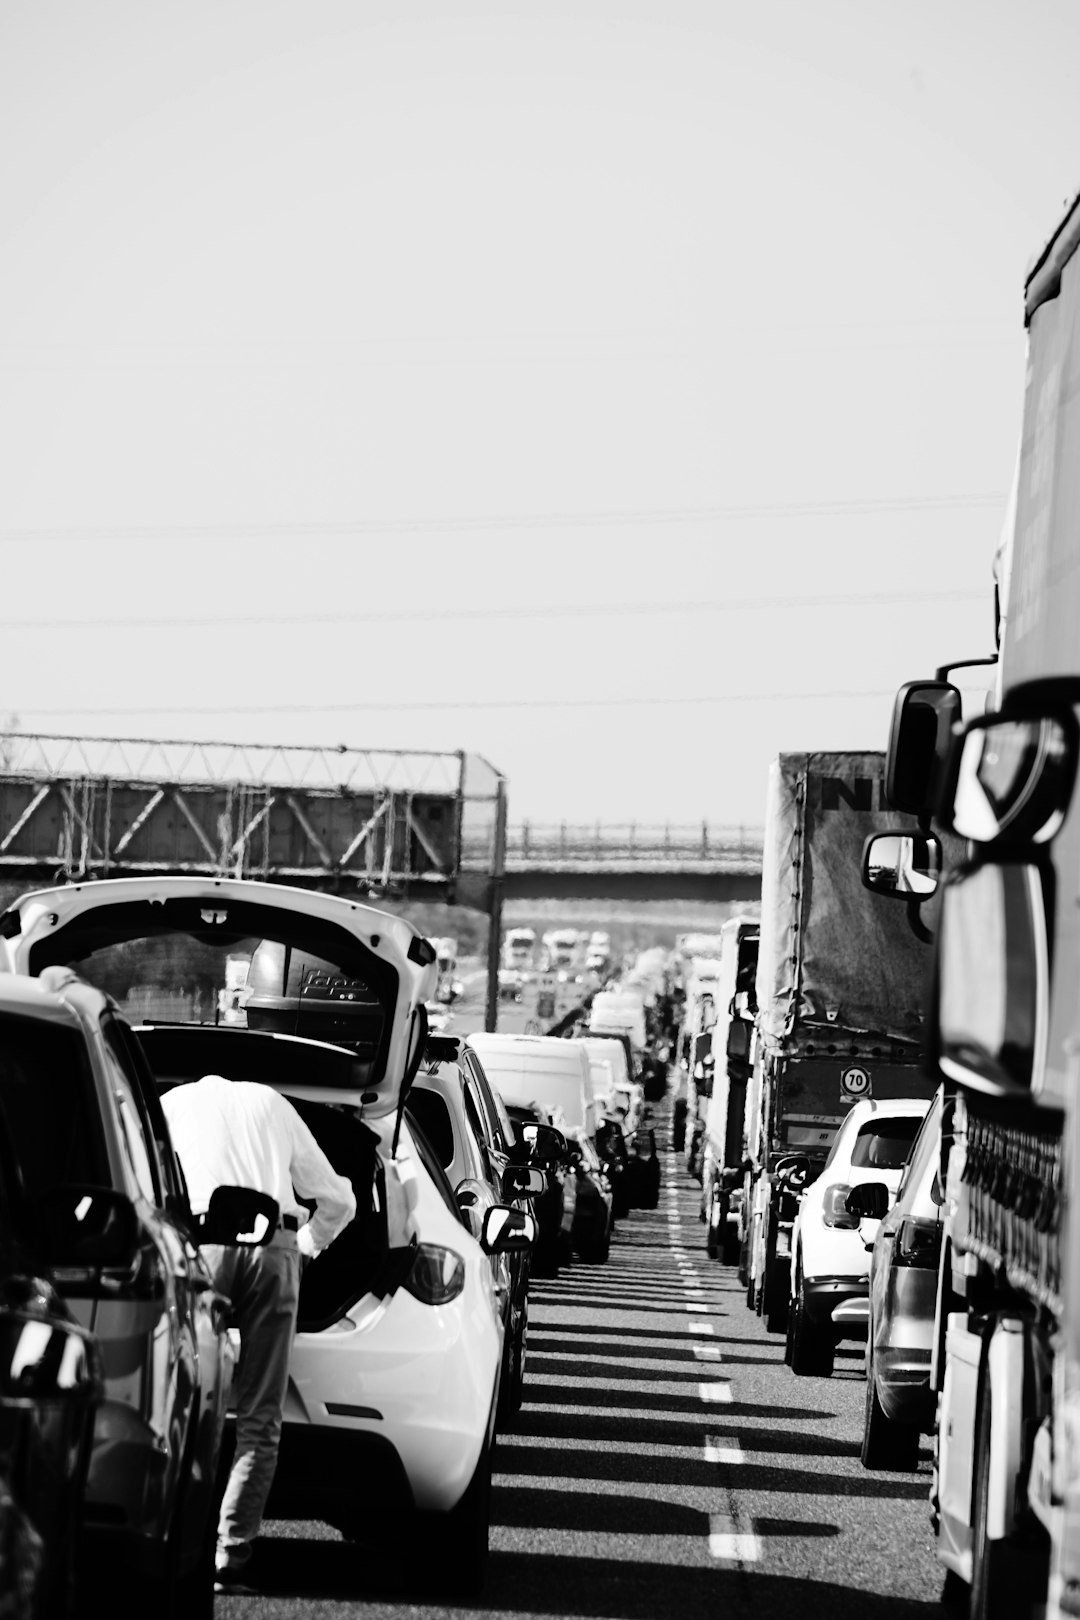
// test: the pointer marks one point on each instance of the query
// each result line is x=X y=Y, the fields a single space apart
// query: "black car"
x=50 y=1388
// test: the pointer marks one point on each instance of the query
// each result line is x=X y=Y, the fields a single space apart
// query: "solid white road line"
x=730 y=1545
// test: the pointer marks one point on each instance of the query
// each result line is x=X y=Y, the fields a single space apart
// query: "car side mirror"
x=85 y=1226
x=902 y=866
x=793 y=1173
x=868 y=1200
x=46 y=1361
x=524 y=1181
x=238 y=1217
x=544 y=1142
x=738 y=1040
x=507 y=1231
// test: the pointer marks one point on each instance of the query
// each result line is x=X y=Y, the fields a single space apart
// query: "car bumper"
x=902 y=1378
x=415 y=1383
x=824 y=1294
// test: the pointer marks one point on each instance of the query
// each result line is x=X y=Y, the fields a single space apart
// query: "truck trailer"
x=841 y=989
x=1005 y=1025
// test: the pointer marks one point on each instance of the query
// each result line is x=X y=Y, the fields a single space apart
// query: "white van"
x=619 y=1012
x=542 y=1069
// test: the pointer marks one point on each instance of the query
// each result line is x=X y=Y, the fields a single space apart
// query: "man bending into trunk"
x=240 y=1134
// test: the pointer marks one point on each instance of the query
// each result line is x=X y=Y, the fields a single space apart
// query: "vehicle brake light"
x=436 y=1276
x=918 y=1242
x=834 y=1210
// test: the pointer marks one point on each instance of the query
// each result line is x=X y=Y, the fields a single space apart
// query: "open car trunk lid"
x=221 y=956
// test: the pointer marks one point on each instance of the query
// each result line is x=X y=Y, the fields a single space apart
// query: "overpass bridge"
x=370 y=823
x=632 y=860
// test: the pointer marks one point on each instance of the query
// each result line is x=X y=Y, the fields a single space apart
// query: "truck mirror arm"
x=915 y=922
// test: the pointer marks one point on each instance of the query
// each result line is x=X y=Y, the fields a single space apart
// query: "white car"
x=830 y=1247
x=395 y=1370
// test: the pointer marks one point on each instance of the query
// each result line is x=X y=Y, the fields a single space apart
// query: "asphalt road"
x=665 y=1462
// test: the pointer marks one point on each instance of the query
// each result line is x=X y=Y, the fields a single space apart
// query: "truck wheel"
x=886 y=1445
x=729 y=1247
x=750 y=1300
x=810 y=1349
x=1008 y=1579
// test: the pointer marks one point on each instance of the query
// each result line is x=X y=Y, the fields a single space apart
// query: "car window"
x=476 y=1128
x=129 y=1056
x=140 y=1155
x=498 y=1130
x=919 y=1171
x=884 y=1144
x=429 y=1159
x=50 y=1107
x=428 y=1109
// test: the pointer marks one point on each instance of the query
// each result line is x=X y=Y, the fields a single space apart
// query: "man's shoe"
x=233 y=1585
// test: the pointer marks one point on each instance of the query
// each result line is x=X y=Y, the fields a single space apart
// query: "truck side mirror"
x=924 y=714
x=1009 y=777
x=902 y=866
x=738 y=1040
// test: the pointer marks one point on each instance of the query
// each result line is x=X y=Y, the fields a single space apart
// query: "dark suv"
x=101 y=1199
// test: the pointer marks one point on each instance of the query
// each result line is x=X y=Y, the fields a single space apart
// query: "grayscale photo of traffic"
x=539 y=820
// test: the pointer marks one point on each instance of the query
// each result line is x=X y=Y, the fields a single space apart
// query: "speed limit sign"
x=855 y=1083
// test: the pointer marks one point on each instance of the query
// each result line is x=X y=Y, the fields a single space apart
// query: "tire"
x=1008 y=1577
x=512 y=1379
x=751 y=1302
x=712 y=1227
x=810 y=1349
x=888 y=1446
x=777 y=1297
x=729 y=1247
x=456 y=1543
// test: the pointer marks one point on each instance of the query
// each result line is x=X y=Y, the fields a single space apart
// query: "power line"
x=444 y=705
x=558 y=610
x=224 y=533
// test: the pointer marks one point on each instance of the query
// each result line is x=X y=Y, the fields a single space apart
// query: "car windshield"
x=884 y=1144
x=49 y=1114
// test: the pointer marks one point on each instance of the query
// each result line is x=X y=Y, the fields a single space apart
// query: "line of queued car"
x=116 y=1351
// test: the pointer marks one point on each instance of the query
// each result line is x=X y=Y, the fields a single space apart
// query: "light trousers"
x=264 y=1286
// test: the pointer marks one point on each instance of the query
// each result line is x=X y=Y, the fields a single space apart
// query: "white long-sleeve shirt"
x=237 y=1133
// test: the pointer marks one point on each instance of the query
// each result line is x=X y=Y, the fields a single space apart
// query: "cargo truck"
x=1005 y=1025
x=732 y=1048
x=841 y=995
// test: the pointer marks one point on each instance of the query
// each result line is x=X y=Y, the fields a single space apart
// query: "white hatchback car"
x=830 y=1247
x=395 y=1370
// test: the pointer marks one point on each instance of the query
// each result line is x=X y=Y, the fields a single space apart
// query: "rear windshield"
x=884 y=1144
x=246 y=966
x=50 y=1117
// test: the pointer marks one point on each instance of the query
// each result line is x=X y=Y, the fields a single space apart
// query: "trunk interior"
x=358 y=1262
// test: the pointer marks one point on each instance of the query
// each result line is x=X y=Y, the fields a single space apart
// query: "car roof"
x=57 y=995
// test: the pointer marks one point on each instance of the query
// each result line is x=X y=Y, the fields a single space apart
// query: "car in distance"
x=830 y=1260
x=900 y=1405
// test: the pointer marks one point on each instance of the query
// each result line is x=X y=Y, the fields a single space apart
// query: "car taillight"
x=437 y=1275
x=918 y=1242
x=834 y=1210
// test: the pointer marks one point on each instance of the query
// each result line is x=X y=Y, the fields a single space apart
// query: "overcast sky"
x=626 y=391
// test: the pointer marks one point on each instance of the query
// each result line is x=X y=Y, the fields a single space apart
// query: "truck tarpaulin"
x=832 y=958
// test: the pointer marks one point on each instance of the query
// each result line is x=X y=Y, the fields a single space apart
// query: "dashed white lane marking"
x=695 y=1305
x=730 y=1545
x=722 y=1451
x=707 y=1352
x=716 y=1393
x=700 y=1327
